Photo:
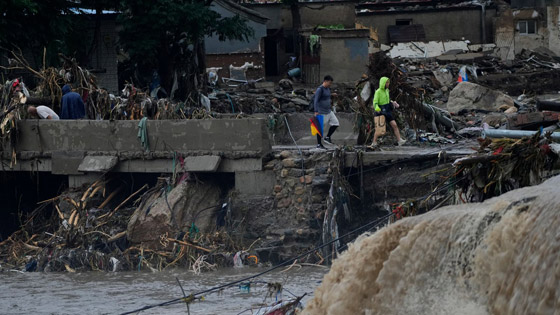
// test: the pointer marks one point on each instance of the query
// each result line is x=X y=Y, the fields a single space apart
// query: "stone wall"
x=289 y=220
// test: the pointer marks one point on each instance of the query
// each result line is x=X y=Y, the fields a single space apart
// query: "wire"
x=373 y=223
x=300 y=153
x=403 y=160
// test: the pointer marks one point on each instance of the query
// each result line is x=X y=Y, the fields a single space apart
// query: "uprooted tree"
x=167 y=37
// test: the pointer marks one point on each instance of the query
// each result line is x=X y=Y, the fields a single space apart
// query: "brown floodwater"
x=114 y=293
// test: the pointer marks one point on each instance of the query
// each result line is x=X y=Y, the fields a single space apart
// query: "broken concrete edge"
x=227 y=135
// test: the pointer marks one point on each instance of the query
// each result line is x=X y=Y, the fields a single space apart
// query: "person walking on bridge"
x=322 y=104
x=384 y=106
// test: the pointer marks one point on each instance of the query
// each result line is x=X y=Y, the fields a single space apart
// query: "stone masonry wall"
x=290 y=220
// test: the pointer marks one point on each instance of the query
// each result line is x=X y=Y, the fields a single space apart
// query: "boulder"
x=467 y=95
x=174 y=212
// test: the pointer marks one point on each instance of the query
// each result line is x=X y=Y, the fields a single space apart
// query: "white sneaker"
x=401 y=142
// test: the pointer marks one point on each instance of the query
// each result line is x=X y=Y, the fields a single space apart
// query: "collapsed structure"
x=227 y=179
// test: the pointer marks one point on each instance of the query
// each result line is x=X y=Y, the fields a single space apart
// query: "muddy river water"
x=113 y=293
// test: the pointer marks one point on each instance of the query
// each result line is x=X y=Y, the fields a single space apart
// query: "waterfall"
x=497 y=257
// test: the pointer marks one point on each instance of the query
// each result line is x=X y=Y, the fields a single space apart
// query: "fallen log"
x=188 y=244
x=436 y=113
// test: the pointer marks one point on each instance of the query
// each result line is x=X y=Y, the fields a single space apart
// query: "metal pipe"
x=548 y=105
x=513 y=134
x=482 y=19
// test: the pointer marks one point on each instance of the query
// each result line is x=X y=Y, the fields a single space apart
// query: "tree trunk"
x=201 y=56
x=296 y=17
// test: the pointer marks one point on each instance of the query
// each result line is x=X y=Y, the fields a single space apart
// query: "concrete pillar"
x=75 y=181
x=258 y=183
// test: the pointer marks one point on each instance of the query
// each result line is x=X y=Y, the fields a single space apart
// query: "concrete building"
x=427 y=20
x=342 y=54
x=281 y=43
x=529 y=24
x=222 y=54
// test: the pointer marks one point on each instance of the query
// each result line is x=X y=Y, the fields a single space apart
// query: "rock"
x=284 y=173
x=284 y=203
x=285 y=154
x=289 y=162
x=321 y=170
x=285 y=84
x=511 y=110
x=504 y=107
x=300 y=190
x=495 y=120
x=444 y=89
x=300 y=102
x=277 y=188
x=290 y=182
x=295 y=172
x=173 y=213
x=321 y=180
x=270 y=165
x=467 y=95
x=444 y=77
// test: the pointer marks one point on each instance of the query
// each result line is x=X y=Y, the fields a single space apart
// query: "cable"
x=289 y=261
x=300 y=153
x=373 y=224
x=401 y=161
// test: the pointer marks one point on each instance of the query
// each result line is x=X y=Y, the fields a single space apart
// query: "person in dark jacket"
x=322 y=104
x=72 y=105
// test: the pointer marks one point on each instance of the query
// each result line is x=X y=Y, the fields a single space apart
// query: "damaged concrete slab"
x=66 y=162
x=99 y=164
x=207 y=163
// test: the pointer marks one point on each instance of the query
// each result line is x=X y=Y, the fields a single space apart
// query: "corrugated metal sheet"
x=406 y=33
x=312 y=73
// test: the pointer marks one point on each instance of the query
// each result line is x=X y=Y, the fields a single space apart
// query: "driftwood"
x=435 y=114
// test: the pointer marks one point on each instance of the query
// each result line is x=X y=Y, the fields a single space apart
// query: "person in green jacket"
x=384 y=106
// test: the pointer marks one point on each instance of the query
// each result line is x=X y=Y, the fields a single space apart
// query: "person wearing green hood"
x=384 y=106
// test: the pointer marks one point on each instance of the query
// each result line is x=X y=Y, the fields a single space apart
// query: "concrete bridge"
x=82 y=149
x=85 y=149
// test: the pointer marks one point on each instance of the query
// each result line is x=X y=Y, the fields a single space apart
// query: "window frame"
x=403 y=20
x=526 y=23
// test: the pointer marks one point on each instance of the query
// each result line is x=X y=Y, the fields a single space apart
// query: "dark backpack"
x=311 y=106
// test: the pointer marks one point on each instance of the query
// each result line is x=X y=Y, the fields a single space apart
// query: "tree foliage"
x=164 y=35
x=55 y=25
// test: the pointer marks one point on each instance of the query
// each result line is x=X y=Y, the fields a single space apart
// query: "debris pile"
x=457 y=95
x=87 y=230
x=134 y=103
x=505 y=164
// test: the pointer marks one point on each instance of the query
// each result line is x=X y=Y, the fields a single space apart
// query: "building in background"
x=236 y=53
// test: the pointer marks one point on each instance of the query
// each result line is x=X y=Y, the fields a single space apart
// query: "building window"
x=403 y=22
x=527 y=27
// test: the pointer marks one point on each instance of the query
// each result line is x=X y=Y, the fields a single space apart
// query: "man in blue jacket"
x=322 y=100
x=72 y=105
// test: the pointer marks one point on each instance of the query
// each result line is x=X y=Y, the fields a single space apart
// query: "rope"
x=401 y=161
x=300 y=153
x=371 y=224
